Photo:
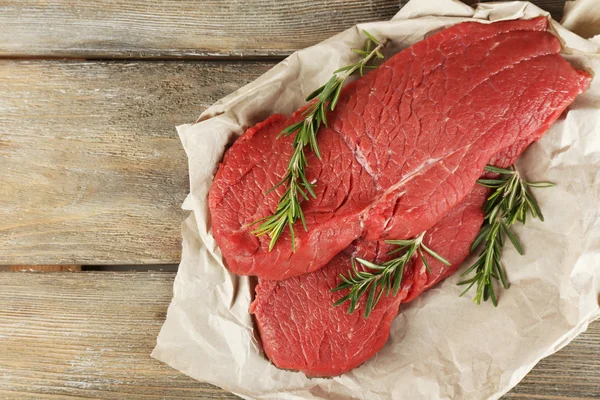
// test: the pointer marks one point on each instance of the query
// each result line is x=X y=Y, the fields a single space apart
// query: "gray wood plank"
x=92 y=169
x=89 y=335
x=190 y=29
x=198 y=28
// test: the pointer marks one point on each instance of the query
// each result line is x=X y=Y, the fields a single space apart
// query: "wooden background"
x=93 y=174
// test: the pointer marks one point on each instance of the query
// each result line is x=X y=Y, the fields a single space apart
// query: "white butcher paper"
x=441 y=346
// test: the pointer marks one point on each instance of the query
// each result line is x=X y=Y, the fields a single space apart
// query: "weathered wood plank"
x=90 y=335
x=87 y=337
x=92 y=169
x=199 y=28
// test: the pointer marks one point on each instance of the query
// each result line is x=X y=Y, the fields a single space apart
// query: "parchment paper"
x=441 y=346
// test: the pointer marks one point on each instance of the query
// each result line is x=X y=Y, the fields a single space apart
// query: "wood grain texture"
x=198 y=28
x=87 y=338
x=89 y=335
x=92 y=169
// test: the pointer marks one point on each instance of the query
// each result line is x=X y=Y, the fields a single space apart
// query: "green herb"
x=297 y=185
x=510 y=202
x=386 y=277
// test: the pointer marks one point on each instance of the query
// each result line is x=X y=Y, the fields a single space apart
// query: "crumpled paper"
x=441 y=346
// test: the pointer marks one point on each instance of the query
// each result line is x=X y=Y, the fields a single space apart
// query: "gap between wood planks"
x=150 y=58
x=88 y=268
x=44 y=268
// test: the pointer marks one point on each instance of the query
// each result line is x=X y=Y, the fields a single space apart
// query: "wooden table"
x=93 y=175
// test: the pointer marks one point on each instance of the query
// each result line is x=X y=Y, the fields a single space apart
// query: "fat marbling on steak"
x=405 y=144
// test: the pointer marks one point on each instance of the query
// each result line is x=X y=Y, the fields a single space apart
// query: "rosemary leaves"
x=387 y=277
x=510 y=202
x=297 y=185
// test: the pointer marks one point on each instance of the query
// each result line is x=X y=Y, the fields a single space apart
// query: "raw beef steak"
x=301 y=329
x=405 y=144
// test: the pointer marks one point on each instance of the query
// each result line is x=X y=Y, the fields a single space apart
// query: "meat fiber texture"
x=405 y=144
x=300 y=329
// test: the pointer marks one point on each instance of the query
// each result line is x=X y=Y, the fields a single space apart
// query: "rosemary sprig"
x=297 y=185
x=386 y=277
x=510 y=202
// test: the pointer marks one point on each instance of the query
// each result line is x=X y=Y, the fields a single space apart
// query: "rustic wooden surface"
x=95 y=172
x=200 y=28
x=89 y=335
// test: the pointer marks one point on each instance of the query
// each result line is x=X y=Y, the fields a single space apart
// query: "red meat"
x=301 y=329
x=405 y=144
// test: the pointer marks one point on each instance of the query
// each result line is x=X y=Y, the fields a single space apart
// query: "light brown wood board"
x=89 y=335
x=93 y=170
